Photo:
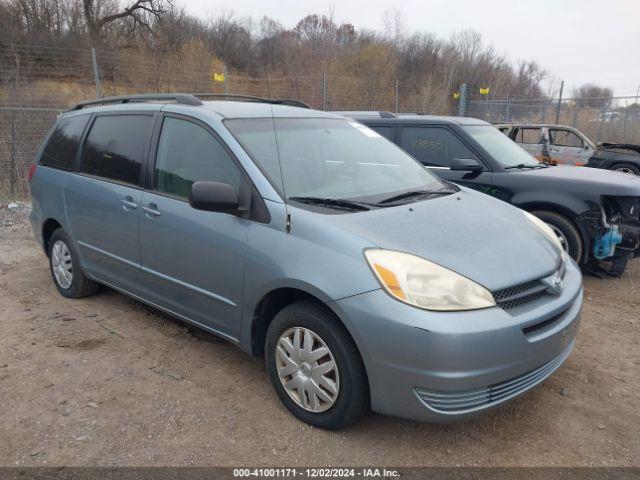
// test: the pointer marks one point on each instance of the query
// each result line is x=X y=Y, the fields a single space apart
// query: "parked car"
x=594 y=213
x=558 y=144
x=363 y=279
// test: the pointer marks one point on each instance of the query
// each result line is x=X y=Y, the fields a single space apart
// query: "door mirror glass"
x=465 y=165
x=214 y=197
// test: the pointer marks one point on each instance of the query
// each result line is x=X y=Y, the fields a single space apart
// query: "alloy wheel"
x=625 y=170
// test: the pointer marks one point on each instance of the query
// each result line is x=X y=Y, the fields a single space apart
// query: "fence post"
x=13 y=146
x=508 y=109
x=462 y=101
x=600 y=126
x=225 y=74
x=559 y=102
x=397 y=96
x=13 y=167
x=324 y=91
x=624 y=125
x=96 y=73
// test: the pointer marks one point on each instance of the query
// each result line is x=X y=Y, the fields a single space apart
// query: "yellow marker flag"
x=484 y=91
x=218 y=77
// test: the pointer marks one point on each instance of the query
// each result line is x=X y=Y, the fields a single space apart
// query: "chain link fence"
x=613 y=121
x=37 y=83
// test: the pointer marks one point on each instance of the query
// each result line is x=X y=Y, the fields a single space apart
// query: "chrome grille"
x=460 y=402
x=512 y=297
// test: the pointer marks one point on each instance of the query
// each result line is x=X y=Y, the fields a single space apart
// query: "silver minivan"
x=365 y=281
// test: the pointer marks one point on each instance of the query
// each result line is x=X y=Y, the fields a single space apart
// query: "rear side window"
x=529 y=135
x=434 y=146
x=113 y=149
x=188 y=153
x=62 y=146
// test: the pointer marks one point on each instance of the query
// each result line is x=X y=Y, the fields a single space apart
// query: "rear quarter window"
x=62 y=146
x=113 y=149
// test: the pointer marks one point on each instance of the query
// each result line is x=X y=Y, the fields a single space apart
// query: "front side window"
x=329 y=158
x=434 y=146
x=386 y=132
x=564 y=138
x=62 y=146
x=188 y=153
x=499 y=146
x=113 y=149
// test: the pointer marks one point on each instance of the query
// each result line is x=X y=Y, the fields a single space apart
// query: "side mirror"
x=465 y=165
x=214 y=197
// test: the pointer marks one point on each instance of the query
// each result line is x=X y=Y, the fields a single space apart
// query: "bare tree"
x=98 y=13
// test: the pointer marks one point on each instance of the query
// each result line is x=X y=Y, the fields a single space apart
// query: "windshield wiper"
x=525 y=165
x=416 y=193
x=331 y=202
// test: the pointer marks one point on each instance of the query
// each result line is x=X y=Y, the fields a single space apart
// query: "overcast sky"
x=579 y=41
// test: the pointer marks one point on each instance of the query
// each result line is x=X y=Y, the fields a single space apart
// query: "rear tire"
x=64 y=265
x=626 y=168
x=567 y=232
x=312 y=322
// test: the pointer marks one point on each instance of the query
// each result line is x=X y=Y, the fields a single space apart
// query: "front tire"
x=64 y=264
x=567 y=233
x=627 y=168
x=315 y=367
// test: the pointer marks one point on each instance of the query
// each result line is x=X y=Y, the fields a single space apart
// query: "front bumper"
x=446 y=366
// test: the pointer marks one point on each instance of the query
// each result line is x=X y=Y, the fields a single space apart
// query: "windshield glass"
x=329 y=158
x=499 y=146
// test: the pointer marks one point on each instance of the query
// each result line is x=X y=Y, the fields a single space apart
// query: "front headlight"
x=425 y=284
x=546 y=229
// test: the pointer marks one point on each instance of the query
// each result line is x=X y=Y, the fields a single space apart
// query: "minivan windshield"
x=331 y=158
x=500 y=147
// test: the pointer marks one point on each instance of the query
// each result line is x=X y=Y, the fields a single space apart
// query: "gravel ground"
x=106 y=381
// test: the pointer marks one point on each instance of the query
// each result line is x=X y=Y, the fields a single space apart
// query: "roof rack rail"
x=183 y=98
x=252 y=98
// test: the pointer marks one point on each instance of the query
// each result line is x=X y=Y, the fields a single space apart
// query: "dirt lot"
x=106 y=381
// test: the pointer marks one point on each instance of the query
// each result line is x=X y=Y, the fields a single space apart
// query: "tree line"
x=431 y=66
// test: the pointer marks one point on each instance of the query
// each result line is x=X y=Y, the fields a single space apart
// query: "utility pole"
x=559 y=102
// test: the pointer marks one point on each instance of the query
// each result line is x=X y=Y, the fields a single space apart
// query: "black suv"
x=595 y=213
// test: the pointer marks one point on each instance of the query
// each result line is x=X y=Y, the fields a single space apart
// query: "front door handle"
x=128 y=203
x=151 y=210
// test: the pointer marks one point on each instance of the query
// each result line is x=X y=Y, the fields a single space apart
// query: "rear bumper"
x=443 y=367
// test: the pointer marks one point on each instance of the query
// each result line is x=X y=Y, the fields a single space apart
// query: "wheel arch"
x=48 y=227
x=569 y=215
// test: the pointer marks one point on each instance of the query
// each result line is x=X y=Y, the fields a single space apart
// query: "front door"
x=192 y=260
x=567 y=148
x=103 y=198
x=435 y=147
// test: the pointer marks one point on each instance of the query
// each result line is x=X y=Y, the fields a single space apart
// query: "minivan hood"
x=606 y=182
x=484 y=239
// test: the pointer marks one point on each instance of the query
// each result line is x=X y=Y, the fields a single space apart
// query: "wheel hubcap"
x=563 y=240
x=307 y=369
x=61 y=264
x=625 y=170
